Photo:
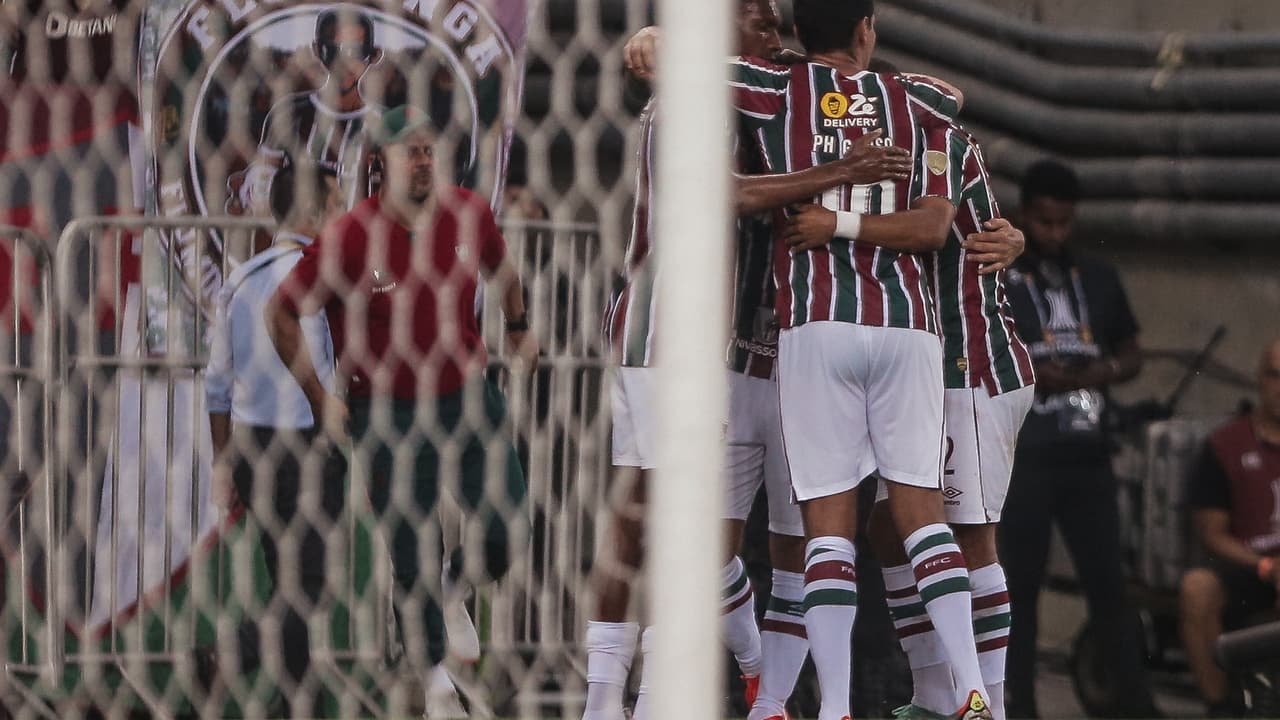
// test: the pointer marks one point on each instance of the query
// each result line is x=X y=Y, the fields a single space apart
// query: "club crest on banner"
x=243 y=86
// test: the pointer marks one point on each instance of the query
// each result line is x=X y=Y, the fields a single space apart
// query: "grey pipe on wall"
x=1151 y=88
x=1140 y=47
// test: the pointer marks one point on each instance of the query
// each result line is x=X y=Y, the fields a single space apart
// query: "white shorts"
x=982 y=433
x=754 y=454
x=634 y=429
x=858 y=400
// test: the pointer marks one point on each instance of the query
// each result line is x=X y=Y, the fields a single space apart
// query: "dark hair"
x=1051 y=179
x=825 y=25
x=327 y=33
x=292 y=179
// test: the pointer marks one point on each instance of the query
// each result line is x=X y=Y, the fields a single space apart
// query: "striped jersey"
x=808 y=114
x=631 y=314
x=753 y=334
x=980 y=345
x=303 y=126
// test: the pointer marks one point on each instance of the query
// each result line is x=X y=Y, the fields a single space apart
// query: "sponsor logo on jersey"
x=848 y=111
x=962 y=364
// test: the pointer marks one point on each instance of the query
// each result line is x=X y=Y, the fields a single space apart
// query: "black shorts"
x=1247 y=594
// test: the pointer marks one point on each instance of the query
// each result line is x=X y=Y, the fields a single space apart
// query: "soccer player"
x=328 y=125
x=858 y=358
x=755 y=456
x=988 y=377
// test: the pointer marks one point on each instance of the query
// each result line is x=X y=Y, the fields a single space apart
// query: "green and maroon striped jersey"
x=980 y=346
x=630 y=318
x=808 y=114
x=753 y=336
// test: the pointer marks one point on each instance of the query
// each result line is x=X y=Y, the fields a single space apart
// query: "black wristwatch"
x=518 y=324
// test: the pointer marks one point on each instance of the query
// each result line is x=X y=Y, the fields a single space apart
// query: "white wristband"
x=848 y=224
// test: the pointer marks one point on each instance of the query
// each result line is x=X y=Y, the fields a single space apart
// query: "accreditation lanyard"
x=1043 y=314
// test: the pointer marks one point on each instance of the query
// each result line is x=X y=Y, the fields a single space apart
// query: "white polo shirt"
x=245 y=376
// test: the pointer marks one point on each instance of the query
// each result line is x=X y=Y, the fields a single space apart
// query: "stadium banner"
x=212 y=72
x=238 y=83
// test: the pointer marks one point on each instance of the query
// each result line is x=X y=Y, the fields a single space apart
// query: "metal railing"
x=119 y=406
x=28 y=382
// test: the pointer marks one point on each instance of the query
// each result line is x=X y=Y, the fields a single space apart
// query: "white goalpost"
x=692 y=183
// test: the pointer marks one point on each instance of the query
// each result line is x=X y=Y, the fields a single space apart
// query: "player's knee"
x=1200 y=593
x=977 y=544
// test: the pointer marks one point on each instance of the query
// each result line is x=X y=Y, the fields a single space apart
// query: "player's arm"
x=938 y=95
x=865 y=164
x=923 y=228
x=758 y=87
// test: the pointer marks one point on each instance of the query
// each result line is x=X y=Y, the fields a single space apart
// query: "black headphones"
x=327 y=32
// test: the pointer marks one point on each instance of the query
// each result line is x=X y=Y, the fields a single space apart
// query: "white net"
x=156 y=566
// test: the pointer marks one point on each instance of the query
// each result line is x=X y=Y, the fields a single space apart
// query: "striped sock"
x=943 y=582
x=934 y=689
x=784 y=643
x=830 y=605
x=610 y=648
x=738 y=617
x=991 y=630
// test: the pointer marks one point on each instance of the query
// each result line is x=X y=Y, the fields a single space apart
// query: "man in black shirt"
x=1072 y=313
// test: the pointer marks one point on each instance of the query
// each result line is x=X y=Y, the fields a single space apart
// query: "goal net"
x=176 y=541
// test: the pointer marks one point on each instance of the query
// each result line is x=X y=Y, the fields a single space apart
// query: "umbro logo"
x=951 y=493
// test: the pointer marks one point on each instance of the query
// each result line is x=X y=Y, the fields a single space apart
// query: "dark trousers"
x=460 y=443
x=273 y=470
x=1081 y=499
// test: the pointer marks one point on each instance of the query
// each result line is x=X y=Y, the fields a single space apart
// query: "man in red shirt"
x=397 y=279
x=1235 y=501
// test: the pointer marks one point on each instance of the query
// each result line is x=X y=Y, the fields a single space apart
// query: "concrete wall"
x=1179 y=300
x=1163 y=15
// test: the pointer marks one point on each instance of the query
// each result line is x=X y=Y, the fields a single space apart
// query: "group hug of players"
x=870 y=341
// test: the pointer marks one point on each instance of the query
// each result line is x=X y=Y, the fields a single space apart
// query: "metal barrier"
x=27 y=382
x=110 y=629
x=561 y=417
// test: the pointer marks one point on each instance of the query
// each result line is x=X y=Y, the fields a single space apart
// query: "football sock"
x=934 y=690
x=943 y=582
x=610 y=648
x=641 y=711
x=784 y=643
x=991 y=630
x=830 y=605
x=738 y=617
